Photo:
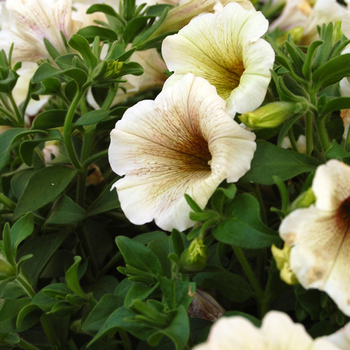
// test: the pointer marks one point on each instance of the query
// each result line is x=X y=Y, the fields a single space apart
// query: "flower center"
x=343 y=213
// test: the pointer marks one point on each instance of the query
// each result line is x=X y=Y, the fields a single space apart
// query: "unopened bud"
x=194 y=258
x=203 y=305
x=270 y=115
x=114 y=69
x=282 y=257
x=304 y=200
x=296 y=34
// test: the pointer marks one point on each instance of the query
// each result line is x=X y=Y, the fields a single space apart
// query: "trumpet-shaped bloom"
x=182 y=142
x=320 y=235
x=341 y=338
x=28 y=22
x=277 y=332
x=225 y=49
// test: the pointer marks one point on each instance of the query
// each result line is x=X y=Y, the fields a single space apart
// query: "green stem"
x=4 y=200
x=292 y=140
x=261 y=203
x=322 y=134
x=126 y=340
x=9 y=116
x=93 y=158
x=16 y=110
x=67 y=130
x=110 y=97
x=85 y=152
x=25 y=285
x=308 y=132
x=253 y=280
x=25 y=345
x=48 y=331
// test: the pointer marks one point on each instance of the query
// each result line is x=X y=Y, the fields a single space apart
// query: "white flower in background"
x=301 y=143
x=182 y=142
x=19 y=92
x=79 y=14
x=225 y=49
x=300 y=13
x=50 y=151
x=320 y=235
x=28 y=22
x=340 y=338
x=277 y=332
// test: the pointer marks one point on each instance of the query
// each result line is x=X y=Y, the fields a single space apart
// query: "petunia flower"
x=28 y=22
x=182 y=142
x=277 y=332
x=341 y=338
x=319 y=235
x=225 y=49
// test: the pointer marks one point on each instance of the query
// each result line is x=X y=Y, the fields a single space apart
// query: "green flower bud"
x=114 y=69
x=337 y=32
x=270 y=115
x=282 y=257
x=194 y=258
x=296 y=33
x=304 y=200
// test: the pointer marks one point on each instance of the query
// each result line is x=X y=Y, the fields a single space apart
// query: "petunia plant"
x=174 y=174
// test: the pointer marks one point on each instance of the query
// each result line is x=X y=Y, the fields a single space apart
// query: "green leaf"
x=44 y=71
x=101 y=312
x=107 y=10
x=178 y=331
x=21 y=229
x=131 y=68
x=8 y=313
x=138 y=291
x=338 y=66
x=65 y=212
x=54 y=118
x=72 y=278
x=90 y=32
x=336 y=104
x=307 y=67
x=234 y=287
x=270 y=160
x=243 y=227
x=134 y=27
x=138 y=256
x=80 y=44
x=6 y=139
x=107 y=200
x=93 y=117
x=43 y=187
x=336 y=151
x=161 y=248
x=42 y=249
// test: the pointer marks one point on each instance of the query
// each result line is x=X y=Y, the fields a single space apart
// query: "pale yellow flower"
x=182 y=142
x=340 y=338
x=277 y=332
x=28 y=22
x=319 y=235
x=225 y=49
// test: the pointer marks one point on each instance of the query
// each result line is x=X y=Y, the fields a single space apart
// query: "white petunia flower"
x=225 y=49
x=182 y=142
x=28 y=22
x=340 y=338
x=319 y=235
x=277 y=332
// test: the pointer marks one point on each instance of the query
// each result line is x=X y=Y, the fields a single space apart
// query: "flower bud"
x=270 y=115
x=194 y=258
x=203 y=305
x=304 y=200
x=114 y=69
x=282 y=257
x=296 y=34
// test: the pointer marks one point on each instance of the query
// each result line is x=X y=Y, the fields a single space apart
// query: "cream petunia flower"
x=28 y=22
x=320 y=235
x=182 y=142
x=277 y=332
x=225 y=49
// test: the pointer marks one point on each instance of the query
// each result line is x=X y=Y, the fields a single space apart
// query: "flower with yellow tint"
x=225 y=49
x=182 y=142
x=28 y=22
x=277 y=332
x=320 y=235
